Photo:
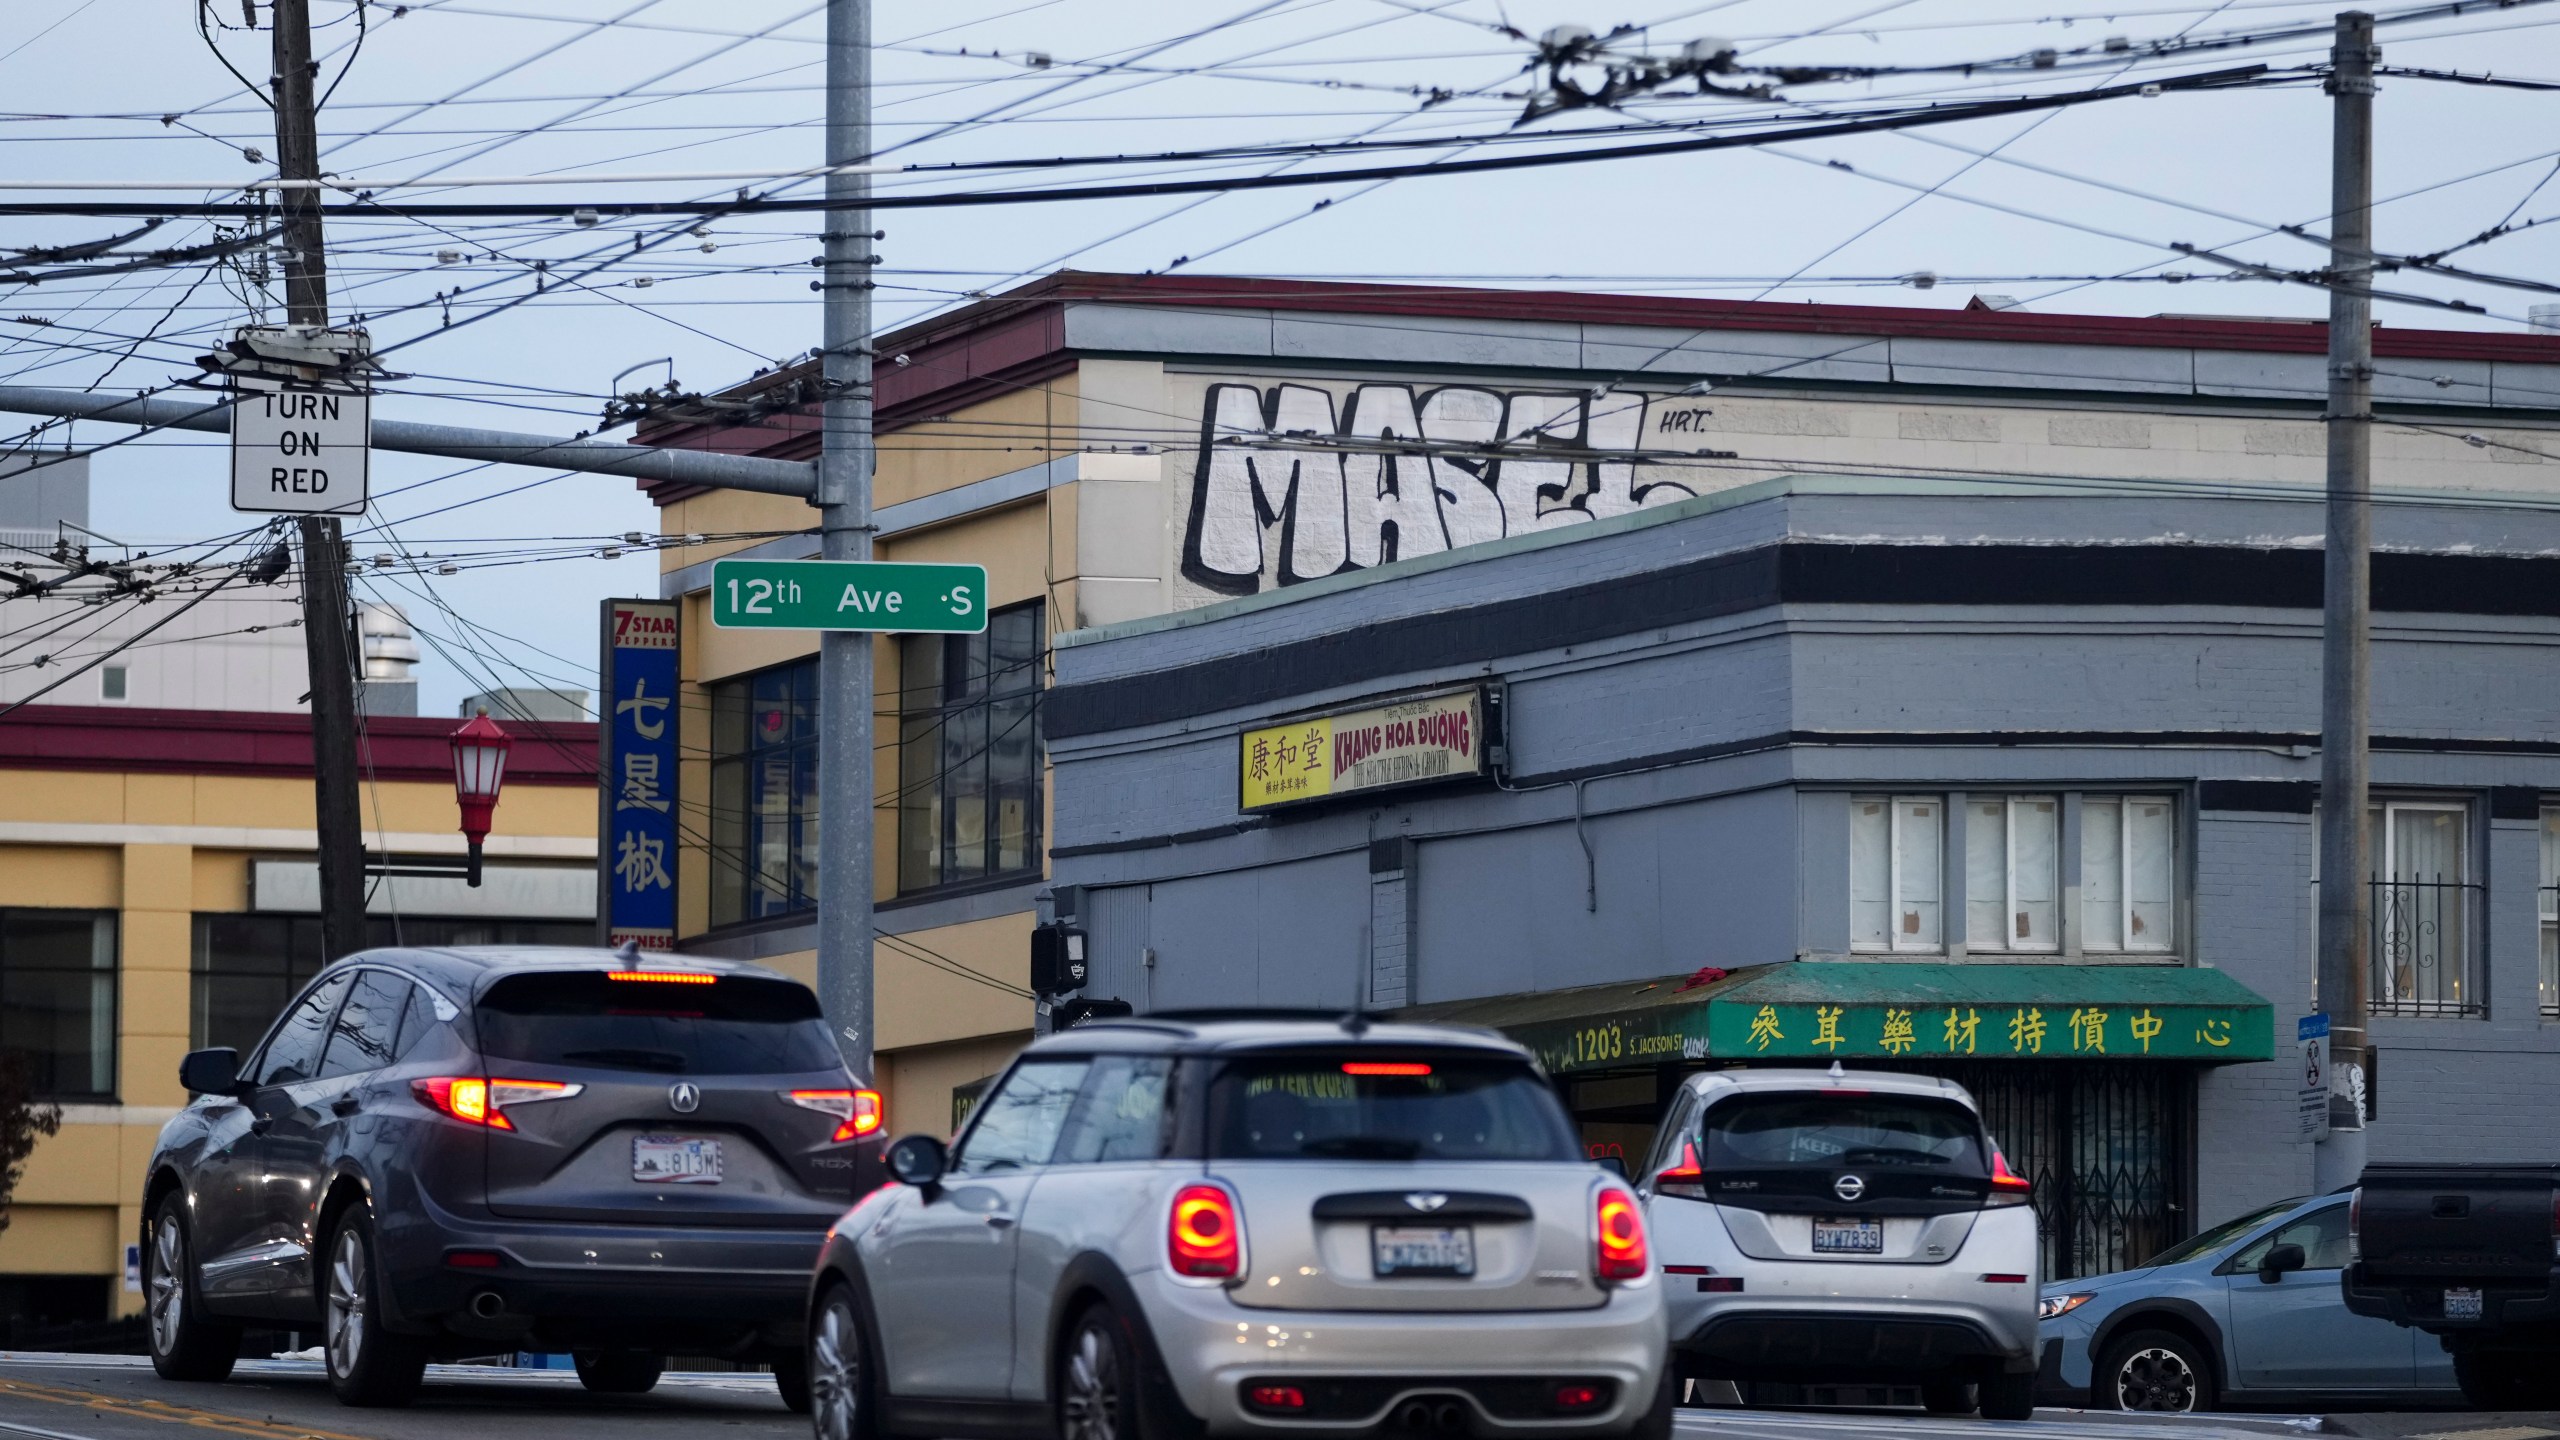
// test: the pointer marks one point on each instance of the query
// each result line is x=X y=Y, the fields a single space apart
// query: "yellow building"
x=159 y=892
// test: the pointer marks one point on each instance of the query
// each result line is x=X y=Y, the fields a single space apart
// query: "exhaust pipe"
x=1413 y=1415
x=488 y=1305
x=1449 y=1418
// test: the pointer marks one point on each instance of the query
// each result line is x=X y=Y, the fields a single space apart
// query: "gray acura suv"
x=1241 y=1224
x=449 y=1152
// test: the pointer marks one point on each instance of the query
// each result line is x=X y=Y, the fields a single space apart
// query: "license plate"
x=675 y=1160
x=2462 y=1304
x=1848 y=1237
x=1408 y=1250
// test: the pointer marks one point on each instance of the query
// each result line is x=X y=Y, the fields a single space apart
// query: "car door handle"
x=999 y=1222
x=345 y=1105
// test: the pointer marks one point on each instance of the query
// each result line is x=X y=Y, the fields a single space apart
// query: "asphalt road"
x=83 y=1397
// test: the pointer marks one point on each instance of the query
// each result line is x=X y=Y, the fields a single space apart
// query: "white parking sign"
x=300 y=452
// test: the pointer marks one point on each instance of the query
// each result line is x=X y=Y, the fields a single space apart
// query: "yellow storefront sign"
x=1435 y=737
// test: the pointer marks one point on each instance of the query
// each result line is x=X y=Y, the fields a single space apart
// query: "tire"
x=2153 y=1370
x=2504 y=1380
x=186 y=1343
x=619 y=1372
x=1097 y=1379
x=1947 y=1397
x=791 y=1377
x=2009 y=1397
x=1656 y=1421
x=842 y=1393
x=368 y=1365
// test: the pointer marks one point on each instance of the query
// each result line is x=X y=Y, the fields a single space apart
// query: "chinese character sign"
x=636 y=844
x=2063 y=1028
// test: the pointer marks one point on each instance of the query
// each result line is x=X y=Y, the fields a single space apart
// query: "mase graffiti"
x=1477 y=465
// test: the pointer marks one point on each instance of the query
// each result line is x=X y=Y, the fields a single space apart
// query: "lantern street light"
x=479 y=768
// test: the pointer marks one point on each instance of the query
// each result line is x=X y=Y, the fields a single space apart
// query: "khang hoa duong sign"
x=1411 y=742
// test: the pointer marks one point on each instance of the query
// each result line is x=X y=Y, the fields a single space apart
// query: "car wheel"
x=186 y=1343
x=1947 y=1397
x=840 y=1394
x=2153 y=1370
x=2501 y=1380
x=791 y=1378
x=619 y=1372
x=1097 y=1379
x=368 y=1364
x=2008 y=1397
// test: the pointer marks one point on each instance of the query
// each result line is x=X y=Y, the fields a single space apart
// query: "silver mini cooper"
x=1241 y=1224
x=1838 y=1228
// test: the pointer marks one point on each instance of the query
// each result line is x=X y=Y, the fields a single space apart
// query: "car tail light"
x=1276 y=1397
x=1385 y=1067
x=2355 y=1224
x=478 y=1101
x=1204 y=1237
x=858 y=1112
x=1687 y=1179
x=1580 y=1397
x=664 y=977
x=474 y=1259
x=1619 y=1225
x=2008 y=1187
x=2003 y=1277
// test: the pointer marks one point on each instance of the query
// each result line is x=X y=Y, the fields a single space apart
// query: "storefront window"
x=2128 y=873
x=969 y=753
x=1895 y=873
x=764 y=793
x=2012 y=874
x=58 y=999
x=248 y=966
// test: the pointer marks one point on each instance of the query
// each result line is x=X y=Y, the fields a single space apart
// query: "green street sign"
x=848 y=595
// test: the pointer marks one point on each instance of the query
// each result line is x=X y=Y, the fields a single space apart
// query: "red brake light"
x=664 y=977
x=1578 y=1397
x=1276 y=1397
x=474 y=1259
x=1385 y=1067
x=2008 y=1187
x=1687 y=1169
x=1623 y=1255
x=859 y=1112
x=477 y=1101
x=1202 y=1236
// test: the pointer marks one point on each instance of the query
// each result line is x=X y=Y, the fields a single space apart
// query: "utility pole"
x=328 y=638
x=2346 y=600
x=844 y=533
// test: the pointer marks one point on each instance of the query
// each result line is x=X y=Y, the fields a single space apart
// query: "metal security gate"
x=2107 y=1145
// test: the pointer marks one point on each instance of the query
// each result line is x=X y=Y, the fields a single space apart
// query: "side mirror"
x=2279 y=1260
x=1615 y=1165
x=211 y=1072
x=918 y=1160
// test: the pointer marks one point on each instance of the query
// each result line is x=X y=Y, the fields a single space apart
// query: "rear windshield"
x=1762 y=1132
x=1327 y=1108
x=737 y=1025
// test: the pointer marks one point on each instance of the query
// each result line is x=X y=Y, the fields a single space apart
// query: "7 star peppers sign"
x=1411 y=742
x=636 y=782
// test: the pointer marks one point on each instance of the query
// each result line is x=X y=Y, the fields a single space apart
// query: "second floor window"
x=2549 y=898
x=2014 y=898
x=58 y=999
x=969 y=787
x=764 y=793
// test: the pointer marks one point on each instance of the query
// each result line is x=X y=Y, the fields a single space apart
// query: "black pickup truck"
x=2470 y=1253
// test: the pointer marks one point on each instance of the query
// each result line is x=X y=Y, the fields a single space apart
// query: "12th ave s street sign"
x=880 y=595
x=300 y=452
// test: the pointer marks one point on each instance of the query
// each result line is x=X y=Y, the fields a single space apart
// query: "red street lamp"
x=479 y=768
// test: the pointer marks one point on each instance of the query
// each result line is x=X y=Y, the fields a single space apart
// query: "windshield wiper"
x=1363 y=1147
x=665 y=1061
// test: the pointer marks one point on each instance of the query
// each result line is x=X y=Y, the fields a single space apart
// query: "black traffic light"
x=1057 y=959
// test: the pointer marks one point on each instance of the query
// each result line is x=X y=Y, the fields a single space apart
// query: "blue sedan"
x=2245 y=1313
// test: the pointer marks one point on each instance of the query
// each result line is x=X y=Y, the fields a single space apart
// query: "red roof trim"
x=272 y=743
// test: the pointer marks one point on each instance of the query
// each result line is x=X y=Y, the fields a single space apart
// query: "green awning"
x=1825 y=1010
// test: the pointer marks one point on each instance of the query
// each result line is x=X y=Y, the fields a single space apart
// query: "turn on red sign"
x=300 y=452
x=1411 y=742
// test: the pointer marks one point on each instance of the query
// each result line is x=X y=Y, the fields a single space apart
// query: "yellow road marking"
x=164 y=1411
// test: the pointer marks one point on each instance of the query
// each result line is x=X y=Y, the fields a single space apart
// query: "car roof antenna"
x=628 y=952
x=1355 y=1023
x=1836 y=1072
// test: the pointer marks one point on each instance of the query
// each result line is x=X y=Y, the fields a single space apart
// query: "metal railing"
x=2426 y=948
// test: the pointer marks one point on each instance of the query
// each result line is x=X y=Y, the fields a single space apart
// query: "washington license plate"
x=1396 y=1251
x=1848 y=1237
x=2462 y=1304
x=675 y=1160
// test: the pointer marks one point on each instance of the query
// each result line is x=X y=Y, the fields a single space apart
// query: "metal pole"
x=2345 y=653
x=844 y=533
x=327 y=622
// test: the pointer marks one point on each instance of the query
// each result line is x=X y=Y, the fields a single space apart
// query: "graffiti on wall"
x=1295 y=483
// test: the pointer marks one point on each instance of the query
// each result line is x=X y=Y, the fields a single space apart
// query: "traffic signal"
x=1057 y=959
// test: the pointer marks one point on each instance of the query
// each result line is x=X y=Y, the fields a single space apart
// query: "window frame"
x=938 y=716
x=2546 y=897
x=2070 y=901
x=2470 y=999
x=2007 y=943
x=106 y=1014
x=741 y=892
x=1896 y=851
x=2124 y=801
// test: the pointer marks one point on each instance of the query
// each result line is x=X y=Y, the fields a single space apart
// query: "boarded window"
x=2011 y=881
